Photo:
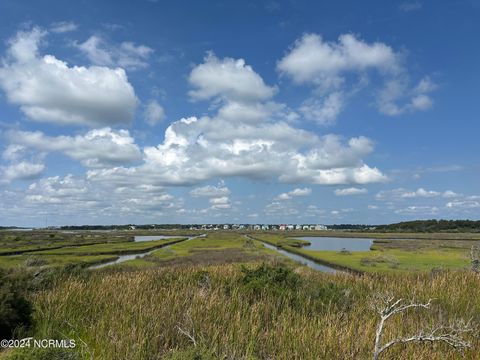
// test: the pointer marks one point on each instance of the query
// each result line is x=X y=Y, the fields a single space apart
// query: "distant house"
x=305 y=227
x=265 y=227
x=226 y=227
x=132 y=227
x=298 y=227
x=290 y=227
x=256 y=227
x=282 y=227
x=320 y=227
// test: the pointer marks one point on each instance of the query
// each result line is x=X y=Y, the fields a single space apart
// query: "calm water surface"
x=337 y=244
x=301 y=259
x=155 y=237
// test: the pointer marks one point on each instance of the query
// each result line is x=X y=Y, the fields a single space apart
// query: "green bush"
x=15 y=308
x=328 y=294
x=272 y=279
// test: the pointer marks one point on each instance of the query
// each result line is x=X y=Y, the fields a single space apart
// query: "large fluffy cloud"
x=246 y=134
x=97 y=148
x=48 y=89
x=314 y=60
x=229 y=78
x=249 y=136
x=23 y=170
x=196 y=150
x=330 y=67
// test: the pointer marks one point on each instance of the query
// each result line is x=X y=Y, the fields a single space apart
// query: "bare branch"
x=188 y=333
x=395 y=310
x=386 y=306
x=451 y=335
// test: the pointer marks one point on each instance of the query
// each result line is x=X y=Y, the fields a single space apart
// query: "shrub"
x=328 y=294
x=15 y=308
x=272 y=279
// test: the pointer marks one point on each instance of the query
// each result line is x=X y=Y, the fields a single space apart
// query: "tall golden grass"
x=138 y=315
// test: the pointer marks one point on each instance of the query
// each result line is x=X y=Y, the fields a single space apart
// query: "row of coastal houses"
x=260 y=227
x=302 y=227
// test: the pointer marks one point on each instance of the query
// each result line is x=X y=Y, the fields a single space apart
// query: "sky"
x=147 y=111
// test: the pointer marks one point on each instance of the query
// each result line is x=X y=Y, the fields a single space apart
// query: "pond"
x=336 y=243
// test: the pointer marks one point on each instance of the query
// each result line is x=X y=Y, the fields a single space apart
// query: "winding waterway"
x=310 y=263
x=139 y=255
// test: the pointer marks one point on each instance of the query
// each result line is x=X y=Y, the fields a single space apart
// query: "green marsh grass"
x=136 y=314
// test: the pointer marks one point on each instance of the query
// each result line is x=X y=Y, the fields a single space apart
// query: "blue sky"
x=248 y=112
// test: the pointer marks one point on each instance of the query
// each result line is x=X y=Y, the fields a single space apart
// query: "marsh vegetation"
x=227 y=296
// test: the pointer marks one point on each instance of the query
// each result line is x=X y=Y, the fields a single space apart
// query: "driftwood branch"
x=387 y=306
x=190 y=334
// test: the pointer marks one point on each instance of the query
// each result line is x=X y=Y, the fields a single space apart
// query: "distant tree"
x=432 y=226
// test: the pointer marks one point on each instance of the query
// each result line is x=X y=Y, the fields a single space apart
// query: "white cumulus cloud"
x=23 y=170
x=97 y=148
x=330 y=66
x=48 y=89
x=248 y=136
x=228 y=78
x=312 y=59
